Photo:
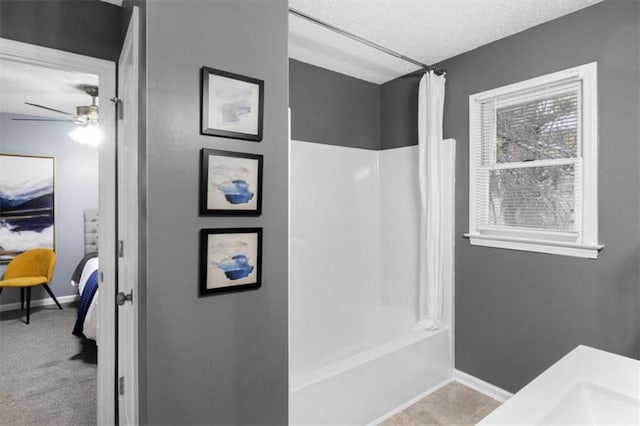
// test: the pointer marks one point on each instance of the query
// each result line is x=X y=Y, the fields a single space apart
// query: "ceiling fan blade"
x=50 y=109
x=43 y=119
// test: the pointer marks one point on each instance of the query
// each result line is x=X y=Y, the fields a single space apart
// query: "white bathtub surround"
x=433 y=209
x=587 y=386
x=335 y=289
x=354 y=286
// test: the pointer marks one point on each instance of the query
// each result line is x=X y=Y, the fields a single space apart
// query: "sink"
x=586 y=387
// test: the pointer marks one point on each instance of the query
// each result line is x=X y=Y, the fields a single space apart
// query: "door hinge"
x=120 y=248
x=119 y=106
x=121 y=386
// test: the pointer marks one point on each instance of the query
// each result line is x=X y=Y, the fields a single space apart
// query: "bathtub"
x=361 y=388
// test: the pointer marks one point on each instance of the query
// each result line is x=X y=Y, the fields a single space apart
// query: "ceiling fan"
x=85 y=114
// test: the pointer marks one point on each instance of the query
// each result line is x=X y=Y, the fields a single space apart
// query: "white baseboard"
x=409 y=403
x=481 y=386
x=41 y=302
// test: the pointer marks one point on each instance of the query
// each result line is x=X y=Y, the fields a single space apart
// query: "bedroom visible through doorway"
x=55 y=110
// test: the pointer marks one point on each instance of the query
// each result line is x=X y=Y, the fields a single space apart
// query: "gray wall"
x=399 y=111
x=219 y=359
x=87 y=27
x=518 y=312
x=76 y=189
x=332 y=108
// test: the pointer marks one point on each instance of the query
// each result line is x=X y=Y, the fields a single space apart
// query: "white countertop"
x=587 y=386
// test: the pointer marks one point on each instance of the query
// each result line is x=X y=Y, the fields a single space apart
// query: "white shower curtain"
x=432 y=208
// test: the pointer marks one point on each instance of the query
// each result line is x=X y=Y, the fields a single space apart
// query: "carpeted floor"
x=47 y=375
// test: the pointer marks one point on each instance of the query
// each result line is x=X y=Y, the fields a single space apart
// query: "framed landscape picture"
x=230 y=183
x=231 y=105
x=230 y=260
x=26 y=204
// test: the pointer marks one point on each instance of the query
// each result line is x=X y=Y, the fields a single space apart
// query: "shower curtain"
x=432 y=209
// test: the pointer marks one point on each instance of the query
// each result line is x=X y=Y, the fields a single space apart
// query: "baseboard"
x=481 y=386
x=409 y=403
x=41 y=302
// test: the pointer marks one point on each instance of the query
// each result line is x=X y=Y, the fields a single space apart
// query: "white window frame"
x=583 y=243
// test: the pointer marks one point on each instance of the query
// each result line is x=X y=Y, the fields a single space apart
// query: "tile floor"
x=453 y=404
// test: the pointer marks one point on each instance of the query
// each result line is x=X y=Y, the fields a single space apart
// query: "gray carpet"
x=47 y=375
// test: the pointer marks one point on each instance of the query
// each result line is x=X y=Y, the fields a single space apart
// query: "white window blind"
x=528 y=146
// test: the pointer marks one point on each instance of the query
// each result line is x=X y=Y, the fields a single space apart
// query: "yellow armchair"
x=29 y=269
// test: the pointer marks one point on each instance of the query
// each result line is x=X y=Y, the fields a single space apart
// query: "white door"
x=127 y=166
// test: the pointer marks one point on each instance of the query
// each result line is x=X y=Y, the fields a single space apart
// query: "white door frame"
x=106 y=72
x=127 y=216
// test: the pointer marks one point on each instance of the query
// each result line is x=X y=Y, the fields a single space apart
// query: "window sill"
x=539 y=246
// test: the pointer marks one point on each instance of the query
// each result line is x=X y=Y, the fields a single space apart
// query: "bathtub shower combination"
x=371 y=267
x=355 y=352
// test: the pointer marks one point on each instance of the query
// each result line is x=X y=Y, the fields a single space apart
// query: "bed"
x=85 y=278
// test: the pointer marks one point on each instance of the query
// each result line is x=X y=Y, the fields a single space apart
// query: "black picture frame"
x=230 y=260
x=228 y=104
x=230 y=183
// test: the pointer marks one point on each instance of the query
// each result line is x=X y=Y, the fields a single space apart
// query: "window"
x=533 y=165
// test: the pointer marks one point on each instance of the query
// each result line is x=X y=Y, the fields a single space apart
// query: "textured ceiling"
x=20 y=83
x=426 y=30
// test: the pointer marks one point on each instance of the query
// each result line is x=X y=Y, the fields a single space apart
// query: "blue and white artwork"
x=232 y=183
x=233 y=105
x=237 y=267
x=236 y=191
x=231 y=259
x=26 y=204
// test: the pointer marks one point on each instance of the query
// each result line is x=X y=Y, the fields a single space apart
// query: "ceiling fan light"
x=90 y=111
x=88 y=135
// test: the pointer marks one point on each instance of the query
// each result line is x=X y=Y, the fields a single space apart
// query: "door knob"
x=121 y=298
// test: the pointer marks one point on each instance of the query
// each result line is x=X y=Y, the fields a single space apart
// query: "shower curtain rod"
x=363 y=40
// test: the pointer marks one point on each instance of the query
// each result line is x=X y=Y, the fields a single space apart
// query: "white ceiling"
x=425 y=30
x=20 y=83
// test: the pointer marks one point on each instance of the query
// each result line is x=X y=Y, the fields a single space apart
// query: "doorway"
x=105 y=71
